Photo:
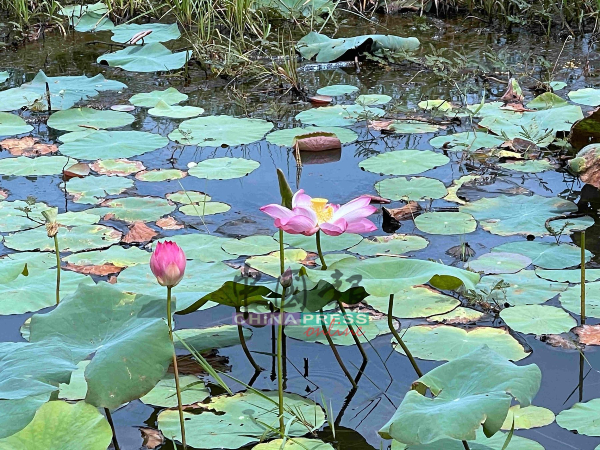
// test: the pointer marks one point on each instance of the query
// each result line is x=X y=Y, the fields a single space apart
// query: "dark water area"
x=388 y=374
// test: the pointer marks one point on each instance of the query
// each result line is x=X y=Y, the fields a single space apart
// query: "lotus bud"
x=51 y=225
x=168 y=263
x=286 y=278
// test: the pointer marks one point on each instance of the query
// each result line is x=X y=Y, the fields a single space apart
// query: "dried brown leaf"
x=169 y=223
x=139 y=233
x=27 y=146
x=317 y=142
x=101 y=270
x=320 y=99
x=588 y=334
x=152 y=438
x=133 y=167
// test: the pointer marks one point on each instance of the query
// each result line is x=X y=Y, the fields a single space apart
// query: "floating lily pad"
x=25 y=167
x=75 y=239
x=538 y=319
x=24 y=263
x=223 y=168
x=395 y=244
x=204 y=209
x=587 y=96
x=77 y=118
x=415 y=301
x=204 y=339
x=160 y=175
x=466 y=141
x=527 y=417
x=412 y=127
x=163 y=109
x=547 y=100
x=581 y=417
x=17 y=98
x=164 y=394
x=13 y=218
x=478 y=387
x=525 y=288
x=569 y=275
x=458 y=315
x=115 y=255
x=529 y=166
x=546 y=255
x=372 y=99
x=134 y=209
x=558 y=85
x=251 y=245
x=496 y=442
x=170 y=96
x=328 y=243
x=203 y=247
x=146 y=58
x=285 y=138
x=447 y=343
x=571 y=299
x=11 y=125
x=216 y=131
x=189 y=197
x=336 y=90
x=415 y=189
x=62 y=425
x=521 y=214
x=294 y=444
x=74 y=218
x=113 y=144
x=4 y=76
x=404 y=162
x=435 y=105
x=270 y=264
x=120 y=167
x=161 y=32
x=92 y=190
x=337 y=115
x=498 y=262
x=338 y=330
x=446 y=223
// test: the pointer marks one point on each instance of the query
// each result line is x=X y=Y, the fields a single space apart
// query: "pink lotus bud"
x=168 y=263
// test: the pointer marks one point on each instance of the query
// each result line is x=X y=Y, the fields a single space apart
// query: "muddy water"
x=310 y=370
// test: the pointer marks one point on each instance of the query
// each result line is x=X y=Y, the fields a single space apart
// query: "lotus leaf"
x=14 y=218
x=17 y=98
x=115 y=255
x=163 y=109
x=525 y=288
x=161 y=32
x=270 y=263
x=295 y=9
x=160 y=175
x=338 y=330
x=415 y=301
x=527 y=417
x=337 y=115
x=79 y=10
x=75 y=239
x=203 y=247
x=76 y=388
x=581 y=417
x=404 y=162
x=535 y=166
x=24 y=263
x=92 y=190
x=546 y=255
x=415 y=189
x=547 y=100
x=337 y=90
x=120 y=167
x=587 y=96
x=74 y=218
x=285 y=138
x=585 y=163
x=146 y=58
x=558 y=85
x=295 y=444
x=497 y=262
x=223 y=168
x=395 y=244
x=165 y=395
x=571 y=299
x=189 y=197
x=113 y=144
x=11 y=124
x=77 y=118
x=466 y=141
x=372 y=99
x=217 y=131
x=91 y=21
x=496 y=442
x=435 y=105
x=472 y=391
x=569 y=275
x=204 y=339
x=412 y=127
x=26 y=167
x=170 y=96
x=205 y=209
x=4 y=76
x=446 y=223
x=458 y=315
x=537 y=319
x=328 y=243
x=134 y=209
x=251 y=246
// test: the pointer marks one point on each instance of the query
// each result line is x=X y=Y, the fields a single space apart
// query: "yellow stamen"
x=324 y=212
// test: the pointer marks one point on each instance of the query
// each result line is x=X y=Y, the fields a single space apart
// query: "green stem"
x=354 y=336
x=582 y=277
x=465 y=445
x=337 y=355
x=400 y=341
x=57 y=268
x=323 y=265
x=281 y=253
x=280 y=365
x=112 y=427
x=245 y=347
x=175 y=369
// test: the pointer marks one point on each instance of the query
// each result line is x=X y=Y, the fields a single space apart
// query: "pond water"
x=358 y=415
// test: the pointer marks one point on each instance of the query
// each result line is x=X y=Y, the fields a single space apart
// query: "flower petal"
x=358 y=208
x=297 y=225
x=300 y=199
x=361 y=226
x=334 y=228
x=277 y=211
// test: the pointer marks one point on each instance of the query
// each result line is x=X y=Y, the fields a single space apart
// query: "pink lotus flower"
x=309 y=215
x=168 y=263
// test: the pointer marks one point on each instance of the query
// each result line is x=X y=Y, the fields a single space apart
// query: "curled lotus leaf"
x=586 y=165
x=285 y=138
x=11 y=125
x=415 y=301
x=160 y=32
x=163 y=109
x=404 y=162
x=153 y=57
x=217 y=131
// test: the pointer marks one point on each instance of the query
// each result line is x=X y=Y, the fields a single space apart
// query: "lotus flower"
x=309 y=215
x=168 y=263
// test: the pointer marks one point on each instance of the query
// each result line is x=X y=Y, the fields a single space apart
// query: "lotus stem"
x=582 y=277
x=56 y=250
x=323 y=265
x=280 y=364
x=175 y=369
x=337 y=355
x=401 y=342
x=281 y=253
x=112 y=427
x=257 y=368
x=465 y=445
x=351 y=328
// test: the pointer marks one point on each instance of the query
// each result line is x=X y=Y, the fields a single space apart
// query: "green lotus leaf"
x=412 y=127
x=416 y=188
x=447 y=343
x=76 y=388
x=372 y=99
x=160 y=175
x=251 y=246
x=466 y=141
x=270 y=263
x=477 y=389
x=113 y=144
x=570 y=299
x=497 y=262
x=496 y=442
x=239 y=293
x=200 y=280
x=91 y=21
x=385 y=275
x=337 y=115
x=458 y=315
x=435 y=105
x=338 y=330
x=77 y=118
x=538 y=319
x=446 y=223
x=79 y=10
x=494 y=109
x=569 y=275
x=547 y=100
x=36 y=291
x=75 y=239
x=170 y=96
x=587 y=96
x=120 y=167
x=11 y=124
x=24 y=263
x=62 y=425
x=126 y=334
x=247 y=417
x=558 y=85
x=115 y=255
x=153 y=57
x=285 y=138
x=395 y=244
x=327 y=49
x=328 y=243
x=17 y=98
x=134 y=209
x=521 y=214
x=404 y=162
x=75 y=218
x=298 y=9
x=161 y=32
x=581 y=417
x=25 y=167
x=163 y=109
x=525 y=288
x=189 y=197
x=93 y=190
x=205 y=209
x=337 y=90
x=4 y=76
x=164 y=394
x=203 y=247
x=223 y=168
x=295 y=444
x=204 y=339
x=527 y=417
x=529 y=166
x=13 y=218
x=546 y=255
x=216 y=131
x=415 y=301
